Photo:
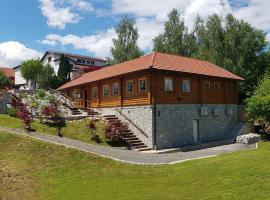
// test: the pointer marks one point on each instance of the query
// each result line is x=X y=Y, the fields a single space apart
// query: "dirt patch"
x=14 y=185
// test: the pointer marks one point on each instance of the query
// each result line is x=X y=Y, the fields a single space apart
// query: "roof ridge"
x=153 y=59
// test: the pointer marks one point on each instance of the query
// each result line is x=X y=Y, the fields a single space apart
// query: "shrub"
x=92 y=129
x=25 y=116
x=12 y=112
x=40 y=93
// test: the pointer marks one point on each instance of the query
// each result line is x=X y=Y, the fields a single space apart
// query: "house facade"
x=172 y=101
x=80 y=64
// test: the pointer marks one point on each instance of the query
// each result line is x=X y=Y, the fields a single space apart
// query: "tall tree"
x=4 y=80
x=47 y=77
x=175 y=39
x=64 y=70
x=234 y=45
x=125 y=46
x=31 y=70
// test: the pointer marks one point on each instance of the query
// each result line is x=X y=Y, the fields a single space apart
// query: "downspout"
x=154 y=139
x=154 y=115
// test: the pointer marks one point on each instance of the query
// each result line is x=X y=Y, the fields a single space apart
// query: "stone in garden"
x=248 y=138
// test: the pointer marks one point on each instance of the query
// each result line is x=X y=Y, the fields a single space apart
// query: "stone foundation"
x=174 y=123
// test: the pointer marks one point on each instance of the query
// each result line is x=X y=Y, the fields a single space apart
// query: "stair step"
x=139 y=146
x=144 y=149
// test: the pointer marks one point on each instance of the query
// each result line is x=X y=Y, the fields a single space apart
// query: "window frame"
x=139 y=83
x=103 y=87
x=171 y=81
x=206 y=82
x=118 y=89
x=49 y=59
x=94 y=91
x=129 y=81
x=183 y=84
x=217 y=83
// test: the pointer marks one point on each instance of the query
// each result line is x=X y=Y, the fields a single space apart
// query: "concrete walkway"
x=133 y=157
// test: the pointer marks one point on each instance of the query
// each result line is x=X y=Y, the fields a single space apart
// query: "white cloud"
x=13 y=53
x=59 y=13
x=150 y=16
x=99 y=43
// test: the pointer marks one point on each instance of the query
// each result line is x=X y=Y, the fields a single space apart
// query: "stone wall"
x=141 y=116
x=4 y=98
x=174 y=125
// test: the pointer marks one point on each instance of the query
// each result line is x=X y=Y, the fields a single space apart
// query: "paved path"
x=133 y=157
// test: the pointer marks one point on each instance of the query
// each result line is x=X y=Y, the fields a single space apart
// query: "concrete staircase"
x=118 y=130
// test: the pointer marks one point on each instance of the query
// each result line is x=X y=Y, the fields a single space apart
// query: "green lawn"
x=75 y=130
x=31 y=169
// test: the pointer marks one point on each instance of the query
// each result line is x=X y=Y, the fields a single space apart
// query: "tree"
x=4 y=80
x=64 y=70
x=31 y=70
x=125 y=45
x=234 y=45
x=175 y=39
x=258 y=105
x=45 y=80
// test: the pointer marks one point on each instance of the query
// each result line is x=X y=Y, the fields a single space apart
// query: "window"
x=129 y=86
x=88 y=62
x=83 y=61
x=186 y=86
x=142 y=84
x=94 y=92
x=168 y=84
x=115 y=89
x=206 y=84
x=79 y=60
x=49 y=59
x=105 y=90
x=92 y=62
x=217 y=85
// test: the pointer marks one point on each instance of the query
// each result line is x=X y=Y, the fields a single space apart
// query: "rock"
x=249 y=138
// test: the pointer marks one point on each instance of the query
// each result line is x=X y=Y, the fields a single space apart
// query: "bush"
x=12 y=112
x=40 y=93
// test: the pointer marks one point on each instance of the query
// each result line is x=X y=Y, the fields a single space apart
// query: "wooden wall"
x=155 y=92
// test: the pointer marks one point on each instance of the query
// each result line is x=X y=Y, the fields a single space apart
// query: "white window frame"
x=204 y=84
x=104 y=87
x=168 y=88
x=145 y=89
x=129 y=81
x=94 y=92
x=186 y=82
x=114 y=86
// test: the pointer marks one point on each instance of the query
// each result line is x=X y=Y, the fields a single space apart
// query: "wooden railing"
x=130 y=121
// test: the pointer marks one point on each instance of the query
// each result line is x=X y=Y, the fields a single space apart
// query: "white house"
x=80 y=64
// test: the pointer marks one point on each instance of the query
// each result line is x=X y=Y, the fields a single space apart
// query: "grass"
x=31 y=169
x=75 y=130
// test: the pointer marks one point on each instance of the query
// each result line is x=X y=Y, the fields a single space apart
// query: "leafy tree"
x=4 y=80
x=64 y=70
x=45 y=80
x=175 y=39
x=258 y=105
x=234 y=45
x=31 y=70
x=125 y=46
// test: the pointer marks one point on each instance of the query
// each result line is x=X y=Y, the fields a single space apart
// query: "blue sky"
x=30 y=27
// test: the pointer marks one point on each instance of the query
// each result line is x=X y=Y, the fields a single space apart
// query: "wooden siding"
x=155 y=90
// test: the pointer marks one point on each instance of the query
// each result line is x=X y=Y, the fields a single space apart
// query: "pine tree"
x=64 y=70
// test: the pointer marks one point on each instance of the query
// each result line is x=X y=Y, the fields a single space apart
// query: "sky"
x=28 y=28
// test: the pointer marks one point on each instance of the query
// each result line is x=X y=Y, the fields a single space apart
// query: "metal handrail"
x=128 y=119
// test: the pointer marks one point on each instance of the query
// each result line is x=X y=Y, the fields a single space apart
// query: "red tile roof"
x=8 y=71
x=155 y=60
